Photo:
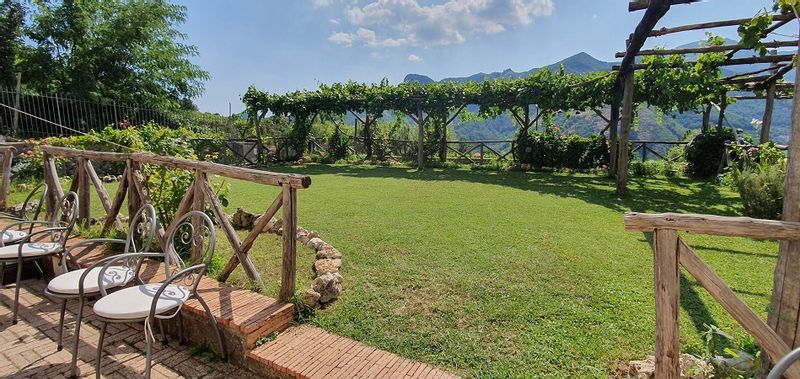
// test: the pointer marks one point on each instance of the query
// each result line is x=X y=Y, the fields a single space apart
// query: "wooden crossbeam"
x=113 y=212
x=729 y=62
x=713 y=24
x=764 y=336
x=706 y=49
x=102 y=194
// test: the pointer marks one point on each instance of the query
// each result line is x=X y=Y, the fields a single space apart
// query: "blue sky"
x=280 y=46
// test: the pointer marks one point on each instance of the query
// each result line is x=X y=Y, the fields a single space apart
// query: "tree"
x=126 y=51
x=12 y=15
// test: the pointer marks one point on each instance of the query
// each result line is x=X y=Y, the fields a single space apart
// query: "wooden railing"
x=645 y=148
x=671 y=252
x=133 y=187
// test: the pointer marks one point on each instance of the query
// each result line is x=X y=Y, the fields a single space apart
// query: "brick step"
x=310 y=352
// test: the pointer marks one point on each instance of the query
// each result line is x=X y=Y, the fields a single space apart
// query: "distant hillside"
x=668 y=127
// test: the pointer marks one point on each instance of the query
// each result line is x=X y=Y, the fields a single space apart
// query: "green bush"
x=761 y=190
x=704 y=153
x=337 y=146
x=549 y=148
x=646 y=169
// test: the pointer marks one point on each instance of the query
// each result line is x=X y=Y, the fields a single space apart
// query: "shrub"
x=549 y=148
x=704 y=153
x=761 y=190
x=337 y=146
x=646 y=169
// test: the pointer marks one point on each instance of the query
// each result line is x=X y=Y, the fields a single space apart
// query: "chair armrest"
x=198 y=269
x=93 y=241
x=125 y=258
x=19 y=224
x=27 y=239
x=783 y=365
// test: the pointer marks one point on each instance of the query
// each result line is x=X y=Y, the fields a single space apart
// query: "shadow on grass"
x=644 y=195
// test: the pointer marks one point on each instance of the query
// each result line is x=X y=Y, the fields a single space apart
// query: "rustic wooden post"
x=134 y=202
x=723 y=103
x=613 y=144
x=785 y=307
x=667 y=292
x=289 y=266
x=421 y=134
x=84 y=196
x=55 y=192
x=706 y=118
x=5 y=186
x=626 y=119
x=102 y=194
x=770 y=104
x=198 y=204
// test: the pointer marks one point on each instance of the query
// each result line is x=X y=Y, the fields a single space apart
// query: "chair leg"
x=16 y=291
x=164 y=340
x=100 y=350
x=39 y=269
x=74 y=366
x=61 y=325
x=150 y=338
x=214 y=326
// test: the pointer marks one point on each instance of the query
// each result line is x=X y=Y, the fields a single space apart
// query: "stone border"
x=327 y=285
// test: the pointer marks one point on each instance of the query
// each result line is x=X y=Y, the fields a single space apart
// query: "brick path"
x=29 y=348
x=310 y=352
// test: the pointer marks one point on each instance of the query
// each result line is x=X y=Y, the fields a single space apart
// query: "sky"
x=284 y=45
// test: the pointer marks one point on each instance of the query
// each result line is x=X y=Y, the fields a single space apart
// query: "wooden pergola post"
x=785 y=307
x=770 y=104
x=421 y=133
x=723 y=103
x=626 y=121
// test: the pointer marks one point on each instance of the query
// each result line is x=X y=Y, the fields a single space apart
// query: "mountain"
x=581 y=63
x=651 y=126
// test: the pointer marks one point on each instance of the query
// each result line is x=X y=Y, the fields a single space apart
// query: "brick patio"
x=29 y=348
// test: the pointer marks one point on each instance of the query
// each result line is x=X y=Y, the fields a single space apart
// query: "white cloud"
x=322 y=3
x=340 y=38
x=414 y=58
x=393 y=23
x=335 y=21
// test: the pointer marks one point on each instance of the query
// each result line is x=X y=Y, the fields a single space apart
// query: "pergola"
x=781 y=331
x=758 y=80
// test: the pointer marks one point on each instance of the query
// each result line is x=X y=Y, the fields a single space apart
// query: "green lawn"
x=504 y=274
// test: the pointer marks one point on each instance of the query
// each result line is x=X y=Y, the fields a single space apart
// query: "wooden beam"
x=111 y=217
x=716 y=287
x=198 y=204
x=705 y=49
x=289 y=264
x=103 y=195
x=252 y=175
x=84 y=194
x=713 y=24
x=714 y=225
x=87 y=154
x=230 y=232
x=766 y=121
x=729 y=62
x=5 y=186
x=667 y=292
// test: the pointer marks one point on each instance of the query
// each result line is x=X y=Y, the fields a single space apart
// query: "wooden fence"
x=671 y=252
x=133 y=187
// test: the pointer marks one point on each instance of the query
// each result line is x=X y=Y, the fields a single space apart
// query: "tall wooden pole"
x=706 y=118
x=723 y=103
x=613 y=124
x=421 y=134
x=626 y=121
x=785 y=307
x=769 y=106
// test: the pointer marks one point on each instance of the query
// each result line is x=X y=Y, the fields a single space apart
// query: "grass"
x=494 y=274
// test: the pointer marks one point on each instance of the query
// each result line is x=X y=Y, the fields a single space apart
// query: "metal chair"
x=780 y=368
x=84 y=283
x=50 y=241
x=157 y=301
x=30 y=211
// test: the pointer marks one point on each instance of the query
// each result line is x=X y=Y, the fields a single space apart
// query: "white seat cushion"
x=67 y=283
x=135 y=302
x=32 y=249
x=12 y=236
